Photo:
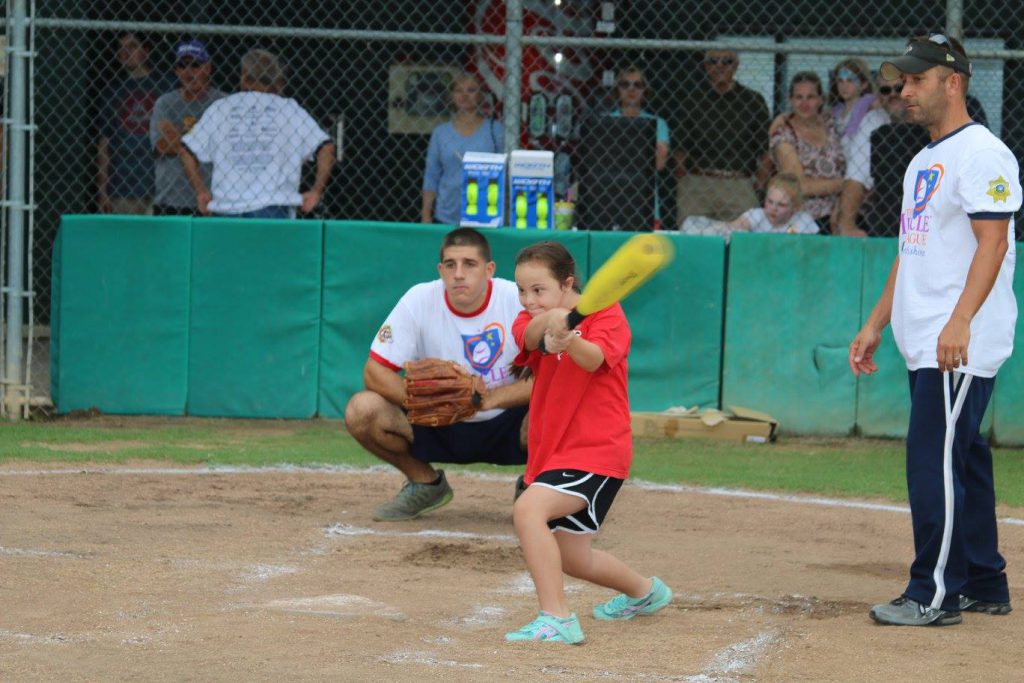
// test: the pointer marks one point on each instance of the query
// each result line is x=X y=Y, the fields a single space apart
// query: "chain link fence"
x=659 y=115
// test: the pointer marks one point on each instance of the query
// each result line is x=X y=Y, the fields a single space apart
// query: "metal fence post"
x=513 y=72
x=955 y=19
x=15 y=288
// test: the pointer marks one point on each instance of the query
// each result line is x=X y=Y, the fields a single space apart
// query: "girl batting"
x=580 y=447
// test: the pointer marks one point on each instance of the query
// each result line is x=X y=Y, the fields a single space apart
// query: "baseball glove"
x=440 y=392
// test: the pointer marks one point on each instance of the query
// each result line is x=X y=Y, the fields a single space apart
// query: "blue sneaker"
x=550 y=628
x=623 y=607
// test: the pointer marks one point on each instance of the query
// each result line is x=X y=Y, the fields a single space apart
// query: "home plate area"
x=280 y=574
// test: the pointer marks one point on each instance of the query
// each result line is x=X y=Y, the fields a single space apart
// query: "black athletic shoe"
x=971 y=605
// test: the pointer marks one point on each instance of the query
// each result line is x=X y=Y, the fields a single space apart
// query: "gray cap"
x=924 y=53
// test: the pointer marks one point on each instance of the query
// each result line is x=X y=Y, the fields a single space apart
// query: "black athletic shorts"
x=495 y=441
x=597 y=489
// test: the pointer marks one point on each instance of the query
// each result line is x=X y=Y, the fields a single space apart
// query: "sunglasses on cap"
x=631 y=85
x=886 y=90
x=720 y=61
x=846 y=75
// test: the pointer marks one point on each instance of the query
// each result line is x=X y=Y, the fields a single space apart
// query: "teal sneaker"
x=623 y=607
x=415 y=500
x=550 y=628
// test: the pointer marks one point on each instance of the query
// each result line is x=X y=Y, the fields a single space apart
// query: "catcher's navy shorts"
x=495 y=441
x=597 y=490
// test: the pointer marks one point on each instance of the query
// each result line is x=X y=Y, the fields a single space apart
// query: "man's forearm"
x=509 y=395
x=191 y=166
x=882 y=312
x=384 y=381
x=324 y=164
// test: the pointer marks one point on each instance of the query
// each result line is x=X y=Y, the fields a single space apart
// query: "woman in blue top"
x=468 y=131
x=633 y=91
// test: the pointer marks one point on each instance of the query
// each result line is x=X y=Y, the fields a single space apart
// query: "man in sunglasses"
x=873 y=188
x=174 y=114
x=950 y=299
x=721 y=137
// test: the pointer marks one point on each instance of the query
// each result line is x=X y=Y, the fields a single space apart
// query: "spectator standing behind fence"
x=805 y=144
x=174 y=114
x=633 y=92
x=124 y=158
x=873 y=188
x=720 y=139
x=257 y=141
x=468 y=131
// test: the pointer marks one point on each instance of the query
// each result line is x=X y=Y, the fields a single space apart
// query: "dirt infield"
x=152 y=574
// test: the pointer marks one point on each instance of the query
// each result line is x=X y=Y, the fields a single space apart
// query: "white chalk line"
x=735 y=660
x=349 y=530
x=23 y=552
x=378 y=469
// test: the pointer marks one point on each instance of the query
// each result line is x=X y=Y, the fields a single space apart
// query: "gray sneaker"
x=414 y=500
x=971 y=605
x=906 y=612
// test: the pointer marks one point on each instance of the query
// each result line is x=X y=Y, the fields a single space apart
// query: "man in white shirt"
x=257 y=141
x=950 y=299
x=465 y=316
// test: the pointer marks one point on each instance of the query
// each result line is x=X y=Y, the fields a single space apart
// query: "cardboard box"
x=483 y=190
x=532 y=189
x=736 y=424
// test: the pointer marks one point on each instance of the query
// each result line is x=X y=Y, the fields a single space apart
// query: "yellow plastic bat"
x=632 y=264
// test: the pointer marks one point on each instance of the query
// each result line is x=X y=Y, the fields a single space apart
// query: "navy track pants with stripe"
x=952 y=497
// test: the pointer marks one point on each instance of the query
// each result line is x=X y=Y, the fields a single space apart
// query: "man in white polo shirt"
x=950 y=299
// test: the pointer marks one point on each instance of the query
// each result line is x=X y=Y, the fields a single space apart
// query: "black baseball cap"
x=924 y=53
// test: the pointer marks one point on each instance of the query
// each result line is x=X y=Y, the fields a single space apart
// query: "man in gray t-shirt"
x=174 y=114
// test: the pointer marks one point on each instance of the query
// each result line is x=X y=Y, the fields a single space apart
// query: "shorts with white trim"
x=952 y=496
x=597 y=490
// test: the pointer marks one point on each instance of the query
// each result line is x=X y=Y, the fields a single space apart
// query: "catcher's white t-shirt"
x=423 y=325
x=969 y=173
x=257 y=142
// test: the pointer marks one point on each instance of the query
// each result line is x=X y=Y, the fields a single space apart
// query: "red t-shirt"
x=580 y=420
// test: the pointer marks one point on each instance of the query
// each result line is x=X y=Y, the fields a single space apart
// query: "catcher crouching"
x=439 y=386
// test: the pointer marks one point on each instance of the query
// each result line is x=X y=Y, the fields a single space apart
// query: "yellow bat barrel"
x=632 y=264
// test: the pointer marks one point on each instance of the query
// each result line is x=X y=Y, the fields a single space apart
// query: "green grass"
x=861 y=468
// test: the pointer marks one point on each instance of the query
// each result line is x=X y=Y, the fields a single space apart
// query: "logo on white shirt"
x=484 y=349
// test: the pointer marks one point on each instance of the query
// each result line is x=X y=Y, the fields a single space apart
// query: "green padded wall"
x=506 y=243
x=883 y=399
x=793 y=305
x=120 y=310
x=1008 y=401
x=367 y=268
x=676 y=320
x=255 y=328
